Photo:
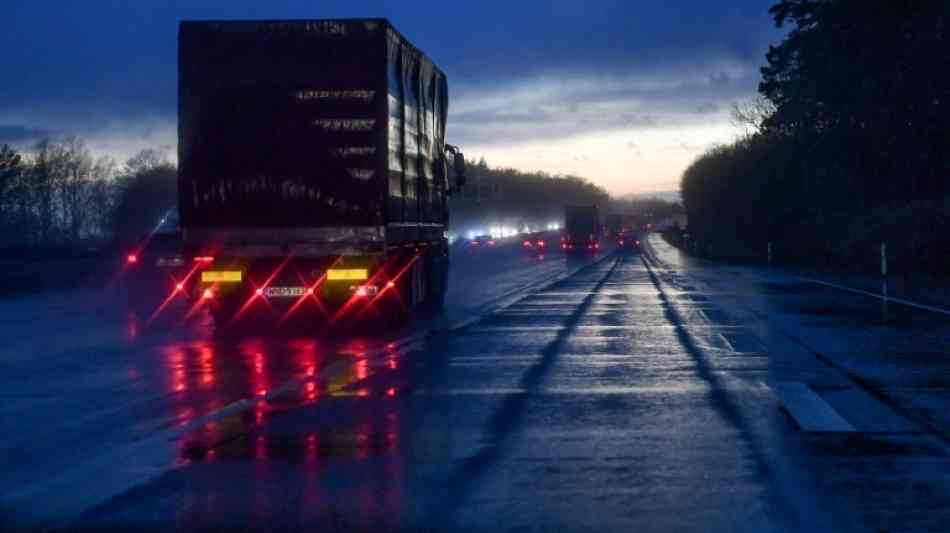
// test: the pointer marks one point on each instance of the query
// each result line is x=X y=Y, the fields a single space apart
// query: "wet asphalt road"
x=617 y=392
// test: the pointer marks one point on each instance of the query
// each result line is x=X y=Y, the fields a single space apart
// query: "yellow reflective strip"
x=213 y=276
x=337 y=274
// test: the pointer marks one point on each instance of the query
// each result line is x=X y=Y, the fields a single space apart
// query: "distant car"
x=483 y=240
x=154 y=266
x=629 y=242
x=535 y=242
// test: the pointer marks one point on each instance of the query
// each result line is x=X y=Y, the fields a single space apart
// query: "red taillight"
x=208 y=294
x=491 y=243
x=204 y=259
x=259 y=292
x=474 y=243
x=620 y=242
x=541 y=244
x=390 y=284
x=131 y=258
x=563 y=246
x=179 y=286
x=310 y=291
x=638 y=243
x=527 y=244
x=596 y=245
x=364 y=291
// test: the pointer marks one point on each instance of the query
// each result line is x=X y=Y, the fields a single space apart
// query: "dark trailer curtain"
x=281 y=123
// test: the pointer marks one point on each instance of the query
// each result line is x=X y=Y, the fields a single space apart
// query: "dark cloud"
x=91 y=67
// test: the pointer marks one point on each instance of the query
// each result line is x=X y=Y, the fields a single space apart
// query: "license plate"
x=284 y=292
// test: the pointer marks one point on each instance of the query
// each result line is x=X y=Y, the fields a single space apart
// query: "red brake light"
x=132 y=258
x=204 y=259
x=208 y=294
x=541 y=244
x=179 y=286
x=259 y=292
x=527 y=244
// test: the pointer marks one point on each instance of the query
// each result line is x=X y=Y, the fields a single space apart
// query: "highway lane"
x=629 y=393
x=93 y=392
x=605 y=401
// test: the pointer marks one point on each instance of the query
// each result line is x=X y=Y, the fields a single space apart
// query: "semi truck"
x=582 y=228
x=314 y=175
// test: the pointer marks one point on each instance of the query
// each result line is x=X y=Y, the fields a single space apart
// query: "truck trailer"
x=582 y=228
x=313 y=170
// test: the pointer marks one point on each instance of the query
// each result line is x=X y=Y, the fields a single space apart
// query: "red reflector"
x=132 y=258
x=204 y=259
x=208 y=294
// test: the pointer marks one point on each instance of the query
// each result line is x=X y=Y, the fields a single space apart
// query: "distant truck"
x=313 y=169
x=582 y=228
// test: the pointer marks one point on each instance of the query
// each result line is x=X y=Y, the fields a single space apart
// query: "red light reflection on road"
x=310 y=453
x=206 y=365
x=260 y=448
x=174 y=358
x=310 y=389
x=133 y=326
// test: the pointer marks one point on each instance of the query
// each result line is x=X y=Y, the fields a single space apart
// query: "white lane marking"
x=887 y=299
x=810 y=411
